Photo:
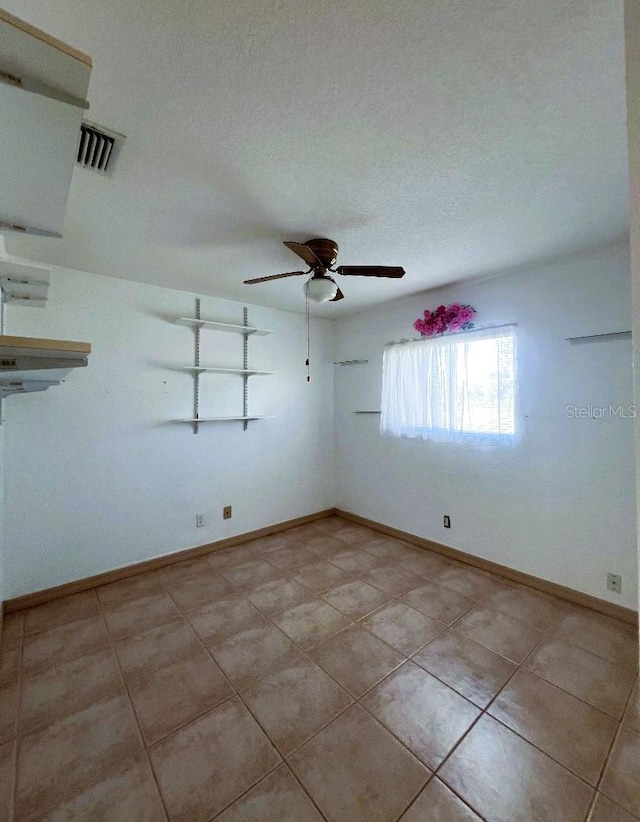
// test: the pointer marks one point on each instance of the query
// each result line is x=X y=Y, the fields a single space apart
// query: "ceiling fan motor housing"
x=325 y=250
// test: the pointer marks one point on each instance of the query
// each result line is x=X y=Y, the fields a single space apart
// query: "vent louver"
x=96 y=147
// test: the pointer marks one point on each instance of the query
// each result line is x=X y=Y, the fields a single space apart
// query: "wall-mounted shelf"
x=228 y=419
x=246 y=331
x=612 y=335
x=212 y=325
x=24 y=283
x=37 y=347
x=351 y=362
x=29 y=364
x=24 y=386
x=243 y=372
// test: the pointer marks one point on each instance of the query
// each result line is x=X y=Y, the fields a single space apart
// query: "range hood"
x=30 y=364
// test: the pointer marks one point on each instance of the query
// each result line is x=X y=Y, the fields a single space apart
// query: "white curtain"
x=457 y=388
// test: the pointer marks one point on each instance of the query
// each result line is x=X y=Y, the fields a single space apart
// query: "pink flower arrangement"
x=453 y=317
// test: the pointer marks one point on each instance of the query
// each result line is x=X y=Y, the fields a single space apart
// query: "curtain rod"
x=454 y=334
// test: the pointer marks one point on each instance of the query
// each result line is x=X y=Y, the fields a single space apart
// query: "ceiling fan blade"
x=305 y=252
x=274 y=277
x=339 y=296
x=371 y=271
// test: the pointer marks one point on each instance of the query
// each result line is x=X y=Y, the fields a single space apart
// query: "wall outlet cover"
x=614 y=583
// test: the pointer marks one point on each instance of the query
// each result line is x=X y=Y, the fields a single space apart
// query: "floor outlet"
x=614 y=583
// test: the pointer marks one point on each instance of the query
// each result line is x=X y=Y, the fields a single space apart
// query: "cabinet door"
x=38 y=144
x=38 y=133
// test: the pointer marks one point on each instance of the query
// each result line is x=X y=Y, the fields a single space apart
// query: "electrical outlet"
x=226 y=512
x=447 y=521
x=199 y=520
x=614 y=583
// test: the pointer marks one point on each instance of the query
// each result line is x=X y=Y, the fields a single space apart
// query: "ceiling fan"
x=321 y=255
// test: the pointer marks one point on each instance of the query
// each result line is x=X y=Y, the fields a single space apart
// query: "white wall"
x=97 y=476
x=560 y=504
x=632 y=29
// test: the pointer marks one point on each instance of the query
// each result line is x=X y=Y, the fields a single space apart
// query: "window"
x=458 y=388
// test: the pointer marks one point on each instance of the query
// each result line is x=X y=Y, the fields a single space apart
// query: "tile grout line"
x=414 y=799
x=564 y=690
x=304 y=790
x=294 y=751
x=615 y=738
x=485 y=711
x=305 y=653
x=545 y=753
x=465 y=802
x=358 y=622
x=205 y=648
x=236 y=693
x=185 y=620
x=202 y=648
x=544 y=633
x=411 y=655
x=132 y=708
x=318 y=594
x=81 y=706
x=301 y=650
x=482 y=601
x=282 y=764
x=520 y=666
x=551 y=636
x=164 y=665
x=636 y=681
x=357 y=701
x=283 y=759
x=89 y=781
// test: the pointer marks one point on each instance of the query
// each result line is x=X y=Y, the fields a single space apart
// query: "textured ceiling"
x=457 y=138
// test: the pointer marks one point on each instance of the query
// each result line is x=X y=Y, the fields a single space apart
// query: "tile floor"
x=325 y=673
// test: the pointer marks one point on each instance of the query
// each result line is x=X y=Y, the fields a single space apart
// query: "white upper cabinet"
x=43 y=89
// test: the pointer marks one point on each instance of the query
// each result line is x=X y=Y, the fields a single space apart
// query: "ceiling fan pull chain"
x=306 y=300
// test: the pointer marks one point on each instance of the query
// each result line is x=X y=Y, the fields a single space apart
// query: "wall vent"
x=97 y=147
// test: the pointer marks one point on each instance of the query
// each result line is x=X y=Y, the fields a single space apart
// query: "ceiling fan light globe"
x=320 y=289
